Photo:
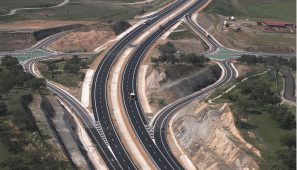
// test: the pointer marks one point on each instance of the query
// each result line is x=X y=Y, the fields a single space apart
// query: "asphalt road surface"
x=133 y=108
x=82 y=114
x=290 y=85
x=99 y=88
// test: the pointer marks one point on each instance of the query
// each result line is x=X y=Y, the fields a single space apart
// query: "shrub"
x=120 y=27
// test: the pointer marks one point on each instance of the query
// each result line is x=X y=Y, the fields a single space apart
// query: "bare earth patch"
x=38 y=24
x=84 y=40
x=188 y=46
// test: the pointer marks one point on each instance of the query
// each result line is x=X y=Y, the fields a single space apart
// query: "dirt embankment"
x=249 y=35
x=23 y=34
x=64 y=129
x=85 y=39
x=165 y=84
x=211 y=140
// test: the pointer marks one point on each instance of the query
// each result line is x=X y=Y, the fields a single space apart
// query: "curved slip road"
x=82 y=114
x=290 y=86
x=160 y=124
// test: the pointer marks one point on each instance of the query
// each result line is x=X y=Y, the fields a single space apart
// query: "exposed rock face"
x=211 y=139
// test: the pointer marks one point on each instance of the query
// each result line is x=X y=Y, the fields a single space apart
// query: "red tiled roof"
x=279 y=24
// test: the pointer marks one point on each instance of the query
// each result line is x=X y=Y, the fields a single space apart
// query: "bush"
x=194 y=59
x=37 y=83
x=47 y=107
x=216 y=70
x=120 y=27
x=3 y=108
x=9 y=61
x=72 y=65
x=167 y=48
x=289 y=141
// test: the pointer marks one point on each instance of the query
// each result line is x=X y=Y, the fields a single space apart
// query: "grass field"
x=267 y=139
x=181 y=35
x=6 y=6
x=77 y=11
x=279 y=10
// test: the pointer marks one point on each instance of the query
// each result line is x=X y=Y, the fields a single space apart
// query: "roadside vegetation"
x=262 y=118
x=22 y=146
x=169 y=55
x=283 y=10
x=64 y=71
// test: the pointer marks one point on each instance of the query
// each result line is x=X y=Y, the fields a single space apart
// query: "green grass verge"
x=183 y=34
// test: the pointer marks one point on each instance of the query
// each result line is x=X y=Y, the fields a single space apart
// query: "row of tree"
x=269 y=61
x=192 y=59
x=71 y=66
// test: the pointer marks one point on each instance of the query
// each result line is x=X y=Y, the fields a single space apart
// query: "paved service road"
x=290 y=85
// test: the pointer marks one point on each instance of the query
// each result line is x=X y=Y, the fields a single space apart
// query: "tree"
x=120 y=27
x=167 y=48
x=216 y=70
x=9 y=61
x=3 y=108
x=249 y=59
x=71 y=68
x=289 y=141
x=287 y=121
x=75 y=60
x=37 y=83
x=52 y=67
x=288 y=158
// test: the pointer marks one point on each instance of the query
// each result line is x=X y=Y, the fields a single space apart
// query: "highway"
x=100 y=83
x=133 y=108
x=82 y=114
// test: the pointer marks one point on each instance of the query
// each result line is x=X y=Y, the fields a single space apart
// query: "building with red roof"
x=278 y=24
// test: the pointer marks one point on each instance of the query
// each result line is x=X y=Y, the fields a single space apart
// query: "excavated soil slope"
x=211 y=140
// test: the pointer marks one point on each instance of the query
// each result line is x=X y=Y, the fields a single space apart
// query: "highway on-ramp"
x=82 y=113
